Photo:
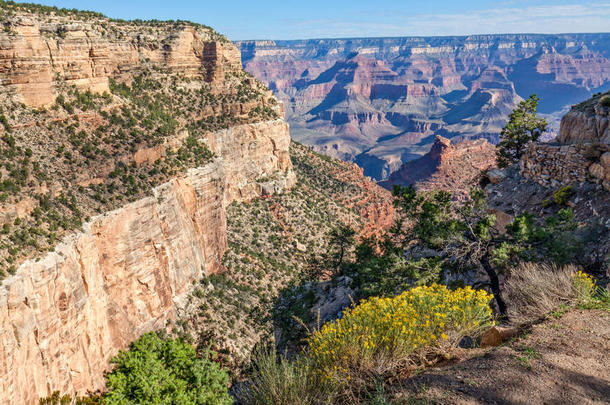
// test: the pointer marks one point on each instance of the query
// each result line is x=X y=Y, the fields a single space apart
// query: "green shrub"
x=562 y=195
x=169 y=371
x=5 y=124
x=605 y=100
x=57 y=399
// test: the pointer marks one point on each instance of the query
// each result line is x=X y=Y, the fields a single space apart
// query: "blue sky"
x=242 y=19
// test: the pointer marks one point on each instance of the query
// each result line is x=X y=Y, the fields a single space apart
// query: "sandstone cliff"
x=37 y=55
x=587 y=122
x=68 y=313
x=123 y=144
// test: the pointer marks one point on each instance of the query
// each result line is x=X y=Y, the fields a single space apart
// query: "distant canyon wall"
x=380 y=101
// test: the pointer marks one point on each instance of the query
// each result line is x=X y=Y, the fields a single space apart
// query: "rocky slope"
x=275 y=243
x=582 y=150
x=572 y=172
x=452 y=167
x=379 y=101
x=123 y=144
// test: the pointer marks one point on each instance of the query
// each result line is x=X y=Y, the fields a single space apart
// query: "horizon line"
x=422 y=36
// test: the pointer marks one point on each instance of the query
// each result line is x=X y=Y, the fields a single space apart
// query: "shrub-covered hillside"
x=276 y=242
x=90 y=153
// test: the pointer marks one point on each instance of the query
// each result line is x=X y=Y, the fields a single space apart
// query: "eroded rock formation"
x=37 y=55
x=451 y=167
x=67 y=314
x=380 y=101
x=586 y=122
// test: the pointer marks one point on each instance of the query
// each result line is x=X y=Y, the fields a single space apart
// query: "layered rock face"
x=380 y=101
x=126 y=273
x=587 y=122
x=451 y=167
x=127 y=269
x=63 y=317
x=257 y=157
x=37 y=55
x=582 y=152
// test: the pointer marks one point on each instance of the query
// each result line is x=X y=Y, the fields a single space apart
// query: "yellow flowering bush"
x=381 y=332
x=584 y=286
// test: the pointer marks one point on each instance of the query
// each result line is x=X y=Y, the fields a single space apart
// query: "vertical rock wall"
x=64 y=316
x=38 y=54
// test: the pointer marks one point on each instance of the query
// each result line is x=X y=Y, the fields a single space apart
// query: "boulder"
x=502 y=219
x=604 y=160
x=596 y=170
x=496 y=175
x=497 y=334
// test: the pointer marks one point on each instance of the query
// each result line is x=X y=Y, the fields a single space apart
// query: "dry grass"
x=281 y=381
x=534 y=290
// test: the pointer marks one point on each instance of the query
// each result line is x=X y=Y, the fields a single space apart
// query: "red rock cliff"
x=447 y=166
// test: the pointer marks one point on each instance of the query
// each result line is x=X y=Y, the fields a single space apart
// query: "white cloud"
x=508 y=18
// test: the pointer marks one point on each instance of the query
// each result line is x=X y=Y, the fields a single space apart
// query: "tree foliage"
x=341 y=238
x=157 y=371
x=437 y=234
x=523 y=126
x=382 y=269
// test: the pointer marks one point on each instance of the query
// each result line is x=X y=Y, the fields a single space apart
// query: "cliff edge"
x=122 y=145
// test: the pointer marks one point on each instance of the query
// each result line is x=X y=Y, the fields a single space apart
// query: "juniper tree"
x=341 y=238
x=436 y=236
x=523 y=126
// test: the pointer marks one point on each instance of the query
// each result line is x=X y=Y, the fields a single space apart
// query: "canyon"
x=380 y=102
x=149 y=183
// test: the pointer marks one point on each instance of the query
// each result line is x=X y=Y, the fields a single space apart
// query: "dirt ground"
x=564 y=360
